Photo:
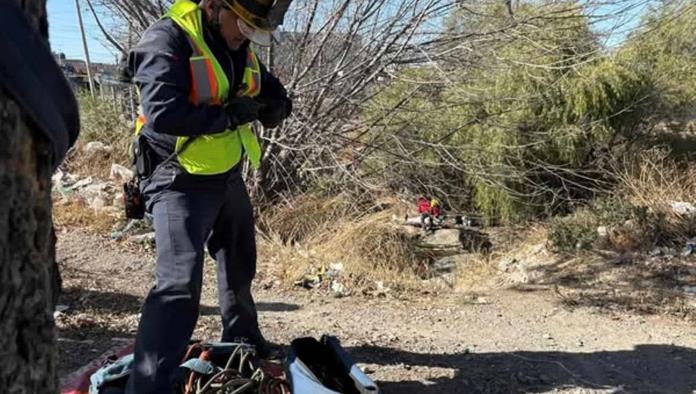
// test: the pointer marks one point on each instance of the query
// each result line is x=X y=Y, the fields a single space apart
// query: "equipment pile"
x=311 y=367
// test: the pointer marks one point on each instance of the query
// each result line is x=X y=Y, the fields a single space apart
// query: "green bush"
x=628 y=227
x=525 y=128
x=574 y=232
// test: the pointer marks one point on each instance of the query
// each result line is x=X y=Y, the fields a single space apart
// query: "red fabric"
x=423 y=206
x=78 y=382
x=435 y=211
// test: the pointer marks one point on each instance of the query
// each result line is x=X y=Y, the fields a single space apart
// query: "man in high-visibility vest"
x=201 y=85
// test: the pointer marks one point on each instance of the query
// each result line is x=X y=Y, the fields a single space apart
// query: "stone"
x=96 y=148
x=443 y=238
x=447 y=264
x=602 y=231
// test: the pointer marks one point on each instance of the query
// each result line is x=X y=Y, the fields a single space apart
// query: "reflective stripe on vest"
x=204 y=86
x=213 y=153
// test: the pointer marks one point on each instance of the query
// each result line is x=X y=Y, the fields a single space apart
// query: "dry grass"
x=519 y=246
x=100 y=121
x=74 y=213
x=477 y=273
x=655 y=181
x=295 y=220
x=306 y=236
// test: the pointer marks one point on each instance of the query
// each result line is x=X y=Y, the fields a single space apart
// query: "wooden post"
x=84 y=45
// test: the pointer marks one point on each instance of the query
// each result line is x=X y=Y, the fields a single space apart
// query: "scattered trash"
x=81 y=183
x=132 y=227
x=689 y=247
x=120 y=173
x=309 y=281
x=57 y=178
x=60 y=311
x=689 y=290
x=335 y=270
x=381 y=290
x=143 y=238
x=602 y=231
x=683 y=208
x=338 y=289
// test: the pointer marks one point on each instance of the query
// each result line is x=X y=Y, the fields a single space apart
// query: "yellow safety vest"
x=212 y=154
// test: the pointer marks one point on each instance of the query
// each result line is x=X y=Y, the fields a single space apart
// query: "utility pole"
x=84 y=44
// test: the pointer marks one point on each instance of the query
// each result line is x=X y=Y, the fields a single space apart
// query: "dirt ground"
x=499 y=341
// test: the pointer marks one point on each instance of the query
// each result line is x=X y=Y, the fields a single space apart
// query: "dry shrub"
x=74 y=213
x=100 y=121
x=517 y=249
x=655 y=182
x=297 y=219
x=305 y=236
x=373 y=243
x=573 y=232
x=640 y=213
x=477 y=272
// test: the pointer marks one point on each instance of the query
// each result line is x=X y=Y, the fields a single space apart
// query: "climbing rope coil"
x=241 y=372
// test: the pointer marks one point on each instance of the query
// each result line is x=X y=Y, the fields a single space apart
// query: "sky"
x=64 y=32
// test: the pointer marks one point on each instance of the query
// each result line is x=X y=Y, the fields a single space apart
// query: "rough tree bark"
x=27 y=263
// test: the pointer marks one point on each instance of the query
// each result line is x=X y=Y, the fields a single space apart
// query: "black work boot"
x=270 y=351
x=264 y=350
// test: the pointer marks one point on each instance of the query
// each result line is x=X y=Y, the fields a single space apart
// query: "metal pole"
x=84 y=44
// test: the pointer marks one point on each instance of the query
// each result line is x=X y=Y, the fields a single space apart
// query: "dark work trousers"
x=189 y=212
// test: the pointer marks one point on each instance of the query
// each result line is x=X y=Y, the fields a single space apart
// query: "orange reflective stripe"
x=139 y=123
x=252 y=75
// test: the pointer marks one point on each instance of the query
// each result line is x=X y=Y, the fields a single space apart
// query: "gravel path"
x=501 y=342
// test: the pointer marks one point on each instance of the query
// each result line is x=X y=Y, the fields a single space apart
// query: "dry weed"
x=477 y=272
x=656 y=182
x=305 y=236
x=295 y=220
x=100 y=121
x=74 y=213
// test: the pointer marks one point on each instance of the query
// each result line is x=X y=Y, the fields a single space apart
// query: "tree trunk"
x=27 y=247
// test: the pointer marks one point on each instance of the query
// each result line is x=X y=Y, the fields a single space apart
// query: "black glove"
x=242 y=110
x=274 y=112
